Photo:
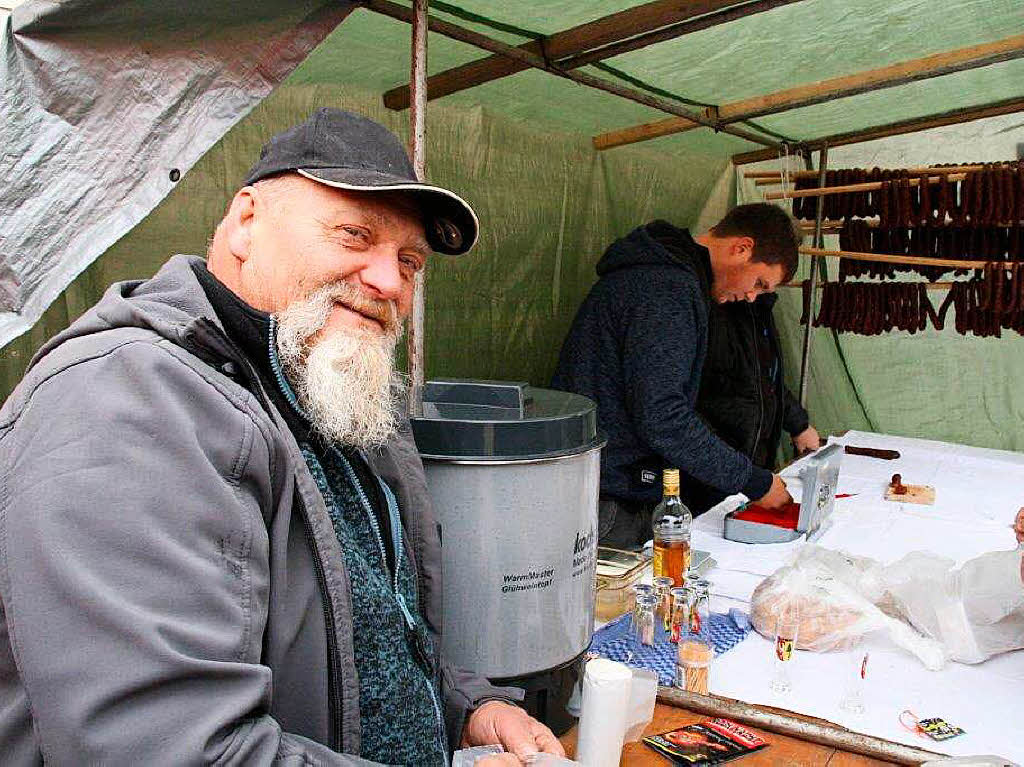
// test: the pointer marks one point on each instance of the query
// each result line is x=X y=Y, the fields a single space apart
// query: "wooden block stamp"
x=900 y=493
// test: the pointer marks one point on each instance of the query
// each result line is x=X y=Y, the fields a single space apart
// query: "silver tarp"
x=104 y=105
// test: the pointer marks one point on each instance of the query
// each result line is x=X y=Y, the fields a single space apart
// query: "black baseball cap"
x=348 y=151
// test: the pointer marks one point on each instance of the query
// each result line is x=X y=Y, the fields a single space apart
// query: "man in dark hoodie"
x=637 y=348
x=742 y=396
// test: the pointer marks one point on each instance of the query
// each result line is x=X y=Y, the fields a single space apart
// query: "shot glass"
x=855 y=669
x=787 y=625
x=699 y=594
x=680 y=614
x=644 y=623
x=663 y=609
x=639 y=590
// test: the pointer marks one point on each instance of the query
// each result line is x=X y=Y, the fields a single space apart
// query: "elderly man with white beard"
x=216 y=541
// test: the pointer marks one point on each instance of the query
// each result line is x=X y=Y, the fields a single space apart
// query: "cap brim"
x=451 y=227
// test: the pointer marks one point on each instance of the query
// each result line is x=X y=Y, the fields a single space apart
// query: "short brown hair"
x=774 y=232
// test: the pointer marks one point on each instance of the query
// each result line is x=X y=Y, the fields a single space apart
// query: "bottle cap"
x=670 y=481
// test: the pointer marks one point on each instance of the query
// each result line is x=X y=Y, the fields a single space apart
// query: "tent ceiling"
x=793 y=44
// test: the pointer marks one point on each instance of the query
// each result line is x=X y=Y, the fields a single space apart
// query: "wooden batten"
x=952 y=263
x=609 y=29
x=899 y=128
x=867 y=186
x=672 y=31
x=827 y=90
x=821 y=286
x=770 y=178
x=643 y=132
x=905 y=72
x=454 y=31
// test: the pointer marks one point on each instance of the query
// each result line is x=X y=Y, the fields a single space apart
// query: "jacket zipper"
x=778 y=384
x=396 y=527
x=760 y=383
x=419 y=646
x=396 y=533
x=334 y=701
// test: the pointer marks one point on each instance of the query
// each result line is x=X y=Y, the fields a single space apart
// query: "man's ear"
x=743 y=248
x=239 y=221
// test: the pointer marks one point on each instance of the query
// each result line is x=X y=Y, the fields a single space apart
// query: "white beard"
x=345 y=381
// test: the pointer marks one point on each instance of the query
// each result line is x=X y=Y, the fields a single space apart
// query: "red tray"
x=784 y=516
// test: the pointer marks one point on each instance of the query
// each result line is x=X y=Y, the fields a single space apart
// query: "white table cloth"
x=978 y=493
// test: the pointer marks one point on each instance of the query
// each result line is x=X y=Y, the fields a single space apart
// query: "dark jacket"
x=742 y=395
x=172 y=590
x=637 y=348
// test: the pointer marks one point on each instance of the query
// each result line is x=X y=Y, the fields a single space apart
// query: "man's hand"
x=806 y=441
x=520 y=734
x=777 y=494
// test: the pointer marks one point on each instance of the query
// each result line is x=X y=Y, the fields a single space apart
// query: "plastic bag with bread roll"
x=835 y=595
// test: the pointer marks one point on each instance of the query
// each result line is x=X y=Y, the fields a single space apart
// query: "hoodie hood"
x=658 y=243
x=172 y=304
x=767 y=301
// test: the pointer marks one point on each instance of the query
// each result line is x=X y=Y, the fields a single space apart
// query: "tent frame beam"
x=901 y=127
x=672 y=31
x=867 y=186
x=936 y=65
x=774 y=177
x=611 y=35
x=455 y=32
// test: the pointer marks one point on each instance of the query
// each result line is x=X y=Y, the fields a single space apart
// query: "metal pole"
x=805 y=359
x=417 y=136
x=823 y=733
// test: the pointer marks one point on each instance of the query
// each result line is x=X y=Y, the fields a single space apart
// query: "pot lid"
x=481 y=420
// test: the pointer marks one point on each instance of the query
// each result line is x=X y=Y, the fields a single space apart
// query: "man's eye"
x=354 y=231
x=409 y=262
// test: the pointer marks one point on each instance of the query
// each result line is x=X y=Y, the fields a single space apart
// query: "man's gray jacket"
x=171 y=586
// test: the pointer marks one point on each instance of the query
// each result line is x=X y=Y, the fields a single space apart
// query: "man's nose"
x=383 y=275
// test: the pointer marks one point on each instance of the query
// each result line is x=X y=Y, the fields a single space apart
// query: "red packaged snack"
x=711 y=742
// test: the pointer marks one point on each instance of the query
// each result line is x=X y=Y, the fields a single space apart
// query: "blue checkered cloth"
x=613 y=641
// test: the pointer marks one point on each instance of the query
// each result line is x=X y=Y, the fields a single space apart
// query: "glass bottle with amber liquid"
x=671 y=526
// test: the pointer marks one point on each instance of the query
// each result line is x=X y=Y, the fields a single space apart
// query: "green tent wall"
x=548 y=203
